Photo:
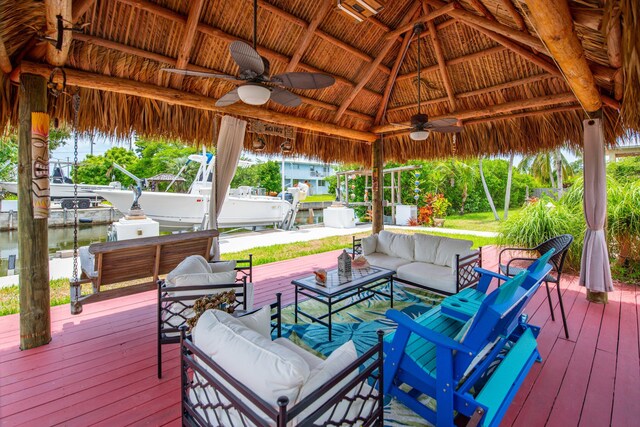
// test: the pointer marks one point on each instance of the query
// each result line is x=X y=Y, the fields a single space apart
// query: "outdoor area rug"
x=359 y=323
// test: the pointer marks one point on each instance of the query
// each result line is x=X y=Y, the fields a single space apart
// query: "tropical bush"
x=541 y=221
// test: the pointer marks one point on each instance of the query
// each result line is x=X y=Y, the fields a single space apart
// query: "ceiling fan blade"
x=199 y=74
x=304 y=80
x=284 y=97
x=228 y=98
x=447 y=129
x=246 y=57
x=448 y=121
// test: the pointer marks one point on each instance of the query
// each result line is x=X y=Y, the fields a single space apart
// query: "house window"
x=321 y=183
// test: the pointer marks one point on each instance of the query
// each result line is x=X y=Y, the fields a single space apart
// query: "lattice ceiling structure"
x=483 y=63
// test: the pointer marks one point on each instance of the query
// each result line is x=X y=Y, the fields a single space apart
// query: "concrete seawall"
x=64 y=217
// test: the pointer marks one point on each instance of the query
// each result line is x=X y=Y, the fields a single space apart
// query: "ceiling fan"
x=256 y=85
x=421 y=127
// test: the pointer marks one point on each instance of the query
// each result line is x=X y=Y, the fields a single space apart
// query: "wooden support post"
x=553 y=22
x=377 y=186
x=33 y=247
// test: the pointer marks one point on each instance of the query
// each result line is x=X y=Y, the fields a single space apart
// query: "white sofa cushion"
x=402 y=246
x=222 y=266
x=448 y=248
x=369 y=244
x=88 y=262
x=426 y=247
x=386 y=261
x=267 y=368
x=430 y=275
x=260 y=321
x=312 y=360
x=198 y=279
x=193 y=264
x=385 y=238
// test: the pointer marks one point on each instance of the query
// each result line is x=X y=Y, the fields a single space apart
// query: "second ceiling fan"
x=256 y=85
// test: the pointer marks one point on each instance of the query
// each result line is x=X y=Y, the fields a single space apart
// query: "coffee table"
x=360 y=285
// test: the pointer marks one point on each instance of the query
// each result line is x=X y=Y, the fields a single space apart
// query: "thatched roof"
x=490 y=77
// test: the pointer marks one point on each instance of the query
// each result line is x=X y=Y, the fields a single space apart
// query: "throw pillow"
x=224 y=278
x=259 y=321
x=369 y=244
x=190 y=265
x=222 y=266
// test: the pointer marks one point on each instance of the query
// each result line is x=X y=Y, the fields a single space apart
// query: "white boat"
x=243 y=207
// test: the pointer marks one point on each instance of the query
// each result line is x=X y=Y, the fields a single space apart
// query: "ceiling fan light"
x=419 y=135
x=254 y=94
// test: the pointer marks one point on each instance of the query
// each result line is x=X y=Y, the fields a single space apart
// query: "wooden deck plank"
x=626 y=406
x=100 y=367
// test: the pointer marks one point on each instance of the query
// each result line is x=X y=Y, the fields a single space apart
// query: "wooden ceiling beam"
x=188 y=37
x=454 y=61
x=445 y=9
x=523 y=114
x=515 y=14
x=176 y=97
x=319 y=33
x=502 y=86
x=542 y=101
x=442 y=63
x=386 y=95
x=614 y=53
x=130 y=50
x=368 y=73
x=53 y=9
x=480 y=7
x=218 y=33
x=5 y=62
x=305 y=40
x=554 y=24
x=80 y=7
x=589 y=18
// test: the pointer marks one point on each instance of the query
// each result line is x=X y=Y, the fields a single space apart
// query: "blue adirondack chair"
x=465 y=304
x=444 y=358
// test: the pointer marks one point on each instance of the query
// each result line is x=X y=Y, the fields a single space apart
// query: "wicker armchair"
x=561 y=245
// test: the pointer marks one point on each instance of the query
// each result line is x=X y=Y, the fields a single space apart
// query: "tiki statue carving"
x=40 y=164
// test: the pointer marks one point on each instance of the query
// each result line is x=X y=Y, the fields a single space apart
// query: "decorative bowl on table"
x=360 y=262
x=321 y=276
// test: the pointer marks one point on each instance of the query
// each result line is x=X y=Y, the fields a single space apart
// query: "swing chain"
x=76 y=289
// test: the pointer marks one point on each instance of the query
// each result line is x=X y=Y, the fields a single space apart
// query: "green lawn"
x=9 y=296
x=319 y=198
x=478 y=221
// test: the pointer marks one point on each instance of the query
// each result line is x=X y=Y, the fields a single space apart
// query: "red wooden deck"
x=100 y=366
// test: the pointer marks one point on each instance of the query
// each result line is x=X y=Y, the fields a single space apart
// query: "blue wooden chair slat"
x=433 y=356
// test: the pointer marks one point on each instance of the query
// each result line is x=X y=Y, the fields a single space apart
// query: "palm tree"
x=547 y=167
x=487 y=193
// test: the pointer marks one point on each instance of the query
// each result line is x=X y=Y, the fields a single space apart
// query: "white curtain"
x=229 y=147
x=595 y=271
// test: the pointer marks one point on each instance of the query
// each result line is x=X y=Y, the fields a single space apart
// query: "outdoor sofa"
x=438 y=264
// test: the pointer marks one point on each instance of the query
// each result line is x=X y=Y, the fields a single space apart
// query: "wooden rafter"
x=480 y=7
x=523 y=114
x=420 y=20
x=502 y=86
x=554 y=24
x=614 y=53
x=130 y=50
x=542 y=101
x=219 y=34
x=177 y=97
x=80 y=7
x=5 y=62
x=372 y=67
x=442 y=63
x=305 y=40
x=454 y=61
x=386 y=95
x=515 y=14
x=289 y=17
x=53 y=9
x=188 y=37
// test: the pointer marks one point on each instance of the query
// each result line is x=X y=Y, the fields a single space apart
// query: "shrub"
x=537 y=222
x=435 y=206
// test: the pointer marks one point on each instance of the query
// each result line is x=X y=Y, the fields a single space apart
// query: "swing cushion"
x=87 y=262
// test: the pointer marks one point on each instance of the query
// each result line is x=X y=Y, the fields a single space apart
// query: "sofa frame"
x=170 y=295
x=368 y=369
x=466 y=275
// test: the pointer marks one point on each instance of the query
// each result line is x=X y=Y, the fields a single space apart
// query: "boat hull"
x=62 y=191
x=178 y=210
